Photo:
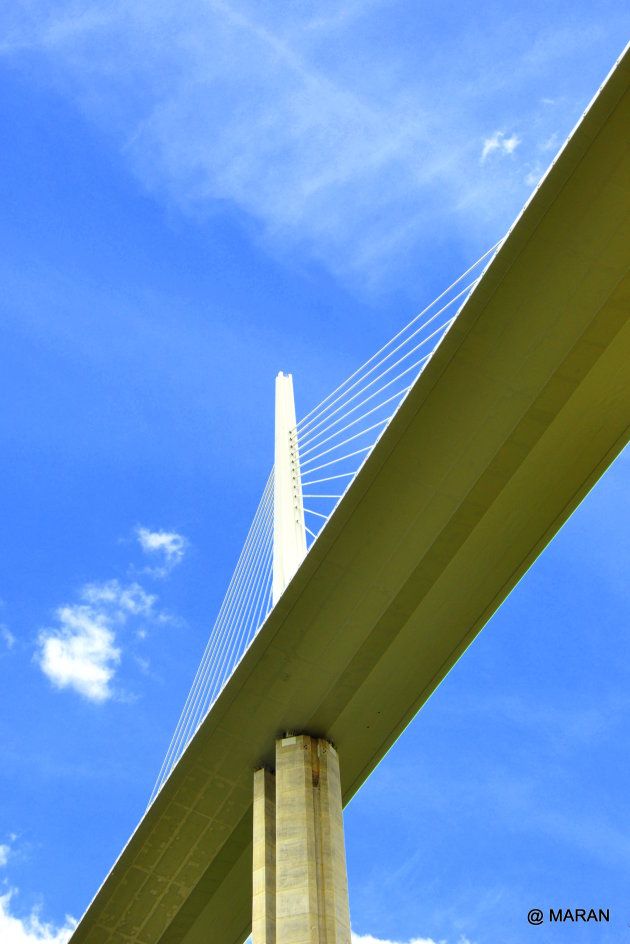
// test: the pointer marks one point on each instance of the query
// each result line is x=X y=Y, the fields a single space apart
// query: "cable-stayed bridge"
x=400 y=513
x=327 y=447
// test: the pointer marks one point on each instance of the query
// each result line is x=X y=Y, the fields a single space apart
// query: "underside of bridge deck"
x=521 y=409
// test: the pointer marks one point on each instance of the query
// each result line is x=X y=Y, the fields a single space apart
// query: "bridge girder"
x=522 y=408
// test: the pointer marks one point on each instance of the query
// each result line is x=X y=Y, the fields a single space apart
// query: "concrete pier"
x=305 y=859
x=264 y=859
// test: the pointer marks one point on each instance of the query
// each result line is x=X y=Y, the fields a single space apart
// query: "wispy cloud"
x=167 y=547
x=274 y=112
x=552 y=143
x=123 y=600
x=499 y=143
x=533 y=175
x=30 y=929
x=298 y=122
x=80 y=652
x=7 y=636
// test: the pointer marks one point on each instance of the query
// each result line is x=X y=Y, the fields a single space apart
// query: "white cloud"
x=532 y=178
x=552 y=143
x=499 y=142
x=144 y=664
x=510 y=144
x=132 y=599
x=369 y=939
x=167 y=546
x=7 y=636
x=30 y=929
x=81 y=651
x=328 y=141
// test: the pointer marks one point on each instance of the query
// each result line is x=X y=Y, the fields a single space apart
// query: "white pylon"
x=289 y=535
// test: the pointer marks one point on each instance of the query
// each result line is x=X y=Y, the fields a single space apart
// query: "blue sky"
x=195 y=196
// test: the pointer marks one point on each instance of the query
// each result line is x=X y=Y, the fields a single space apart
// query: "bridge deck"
x=522 y=408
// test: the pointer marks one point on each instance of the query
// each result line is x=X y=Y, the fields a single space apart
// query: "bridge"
x=503 y=421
